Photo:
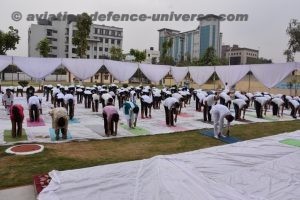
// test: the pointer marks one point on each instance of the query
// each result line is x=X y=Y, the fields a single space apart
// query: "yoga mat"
x=98 y=129
x=206 y=122
x=292 y=142
x=185 y=115
x=40 y=182
x=270 y=118
x=9 y=138
x=33 y=124
x=228 y=139
x=136 y=130
x=53 y=136
x=74 y=121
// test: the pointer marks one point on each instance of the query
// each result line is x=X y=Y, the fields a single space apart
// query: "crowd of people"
x=215 y=105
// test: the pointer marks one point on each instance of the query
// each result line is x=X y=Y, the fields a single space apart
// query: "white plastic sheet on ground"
x=82 y=68
x=271 y=74
x=258 y=169
x=154 y=72
x=122 y=71
x=179 y=73
x=37 y=68
x=5 y=61
x=201 y=74
x=231 y=74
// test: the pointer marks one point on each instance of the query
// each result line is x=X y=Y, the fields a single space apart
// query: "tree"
x=84 y=22
x=293 y=30
x=139 y=55
x=116 y=53
x=165 y=58
x=209 y=58
x=44 y=47
x=9 y=40
x=289 y=55
x=258 y=60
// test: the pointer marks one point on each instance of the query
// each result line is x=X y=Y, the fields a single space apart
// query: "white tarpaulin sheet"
x=258 y=169
x=37 y=68
x=231 y=74
x=201 y=74
x=82 y=68
x=271 y=74
x=122 y=71
x=154 y=72
x=179 y=73
x=5 y=61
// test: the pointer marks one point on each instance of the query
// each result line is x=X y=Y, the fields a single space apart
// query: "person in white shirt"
x=95 y=102
x=60 y=97
x=239 y=106
x=69 y=104
x=171 y=105
x=259 y=104
x=8 y=100
x=225 y=99
x=277 y=105
x=87 y=96
x=104 y=99
x=209 y=101
x=33 y=107
x=146 y=104
x=295 y=105
x=180 y=99
x=200 y=96
x=219 y=113
x=156 y=99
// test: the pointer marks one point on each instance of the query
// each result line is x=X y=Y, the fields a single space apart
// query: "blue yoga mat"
x=53 y=136
x=74 y=121
x=228 y=140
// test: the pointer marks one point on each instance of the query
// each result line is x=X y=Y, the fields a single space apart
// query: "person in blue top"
x=131 y=111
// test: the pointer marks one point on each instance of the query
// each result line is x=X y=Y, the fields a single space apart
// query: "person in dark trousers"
x=111 y=118
x=34 y=108
x=259 y=104
x=208 y=102
x=30 y=92
x=171 y=105
x=239 y=106
x=60 y=122
x=16 y=118
x=69 y=104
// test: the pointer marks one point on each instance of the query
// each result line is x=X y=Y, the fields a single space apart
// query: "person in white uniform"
x=277 y=106
x=209 y=101
x=219 y=113
x=70 y=104
x=33 y=107
x=171 y=105
x=239 y=106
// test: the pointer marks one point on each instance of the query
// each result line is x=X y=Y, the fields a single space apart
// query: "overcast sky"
x=264 y=30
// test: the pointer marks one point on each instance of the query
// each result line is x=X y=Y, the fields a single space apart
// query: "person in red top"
x=16 y=117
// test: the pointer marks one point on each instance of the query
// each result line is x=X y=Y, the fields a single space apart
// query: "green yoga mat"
x=9 y=138
x=292 y=142
x=136 y=131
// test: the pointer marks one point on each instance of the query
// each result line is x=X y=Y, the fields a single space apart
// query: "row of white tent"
x=38 y=68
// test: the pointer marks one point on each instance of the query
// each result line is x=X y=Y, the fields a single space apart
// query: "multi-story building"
x=152 y=56
x=191 y=45
x=239 y=56
x=60 y=34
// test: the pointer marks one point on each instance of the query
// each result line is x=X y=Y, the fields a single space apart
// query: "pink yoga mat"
x=33 y=124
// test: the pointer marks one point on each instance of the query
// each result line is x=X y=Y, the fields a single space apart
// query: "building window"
x=87 y=56
x=101 y=40
x=100 y=49
x=96 y=31
x=73 y=50
x=148 y=54
x=106 y=32
x=101 y=32
x=119 y=34
x=88 y=48
x=96 y=76
x=118 y=42
x=54 y=47
x=106 y=77
x=95 y=57
x=106 y=49
x=49 y=32
x=67 y=55
x=113 y=33
x=112 y=41
x=106 y=40
x=54 y=31
x=95 y=48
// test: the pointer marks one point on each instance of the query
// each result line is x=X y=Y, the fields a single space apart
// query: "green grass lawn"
x=19 y=170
